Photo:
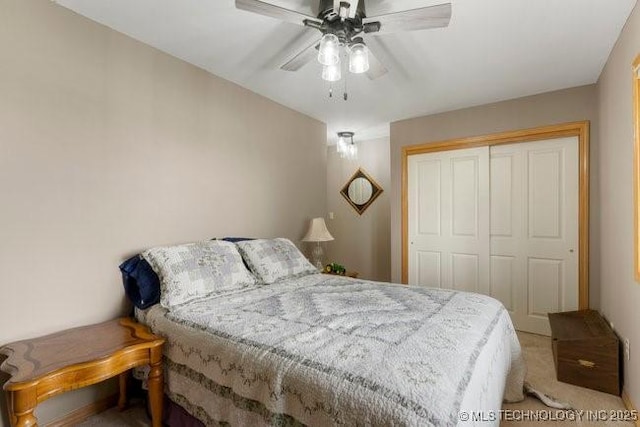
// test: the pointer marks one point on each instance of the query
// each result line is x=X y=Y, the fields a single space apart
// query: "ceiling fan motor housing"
x=326 y=9
x=344 y=28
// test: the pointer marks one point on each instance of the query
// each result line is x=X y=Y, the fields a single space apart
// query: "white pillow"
x=274 y=259
x=196 y=270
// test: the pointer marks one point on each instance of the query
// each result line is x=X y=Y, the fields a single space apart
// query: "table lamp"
x=317 y=233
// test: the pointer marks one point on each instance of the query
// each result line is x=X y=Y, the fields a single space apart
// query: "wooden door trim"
x=636 y=166
x=577 y=129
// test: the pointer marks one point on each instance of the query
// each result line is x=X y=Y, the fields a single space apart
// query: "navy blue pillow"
x=140 y=282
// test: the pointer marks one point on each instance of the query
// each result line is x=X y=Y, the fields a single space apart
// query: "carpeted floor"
x=541 y=375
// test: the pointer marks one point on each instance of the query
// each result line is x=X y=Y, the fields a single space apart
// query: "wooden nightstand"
x=43 y=367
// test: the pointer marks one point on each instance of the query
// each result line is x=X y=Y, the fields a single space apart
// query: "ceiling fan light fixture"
x=345 y=147
x=329 y=52
x=358 y=58
x=352 y=151
x=332 y=73
x=342 y=24
x=341 y=146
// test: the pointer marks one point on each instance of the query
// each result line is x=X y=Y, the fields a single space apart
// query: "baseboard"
x=85 y=412
x=629 y=404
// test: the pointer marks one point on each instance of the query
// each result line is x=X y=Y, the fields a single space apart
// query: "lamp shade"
x=359 y=59
x=352 y=152
x=331 y=73
x=329 y=51
x=341 y=146
x=317 y=231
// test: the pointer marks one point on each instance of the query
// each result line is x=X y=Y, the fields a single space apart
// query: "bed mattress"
x=326 y=350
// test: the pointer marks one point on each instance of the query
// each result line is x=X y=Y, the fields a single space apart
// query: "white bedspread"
x=324 y=350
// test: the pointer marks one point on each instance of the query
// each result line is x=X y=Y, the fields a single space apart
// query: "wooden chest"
x=586 y=351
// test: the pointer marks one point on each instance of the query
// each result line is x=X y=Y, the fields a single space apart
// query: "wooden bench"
x=43 y=367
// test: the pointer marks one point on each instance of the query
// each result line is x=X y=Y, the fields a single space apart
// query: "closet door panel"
x=541 y=203
x=464 y=196
x=448 y=219
x=545 y=193
x=503 y=185
x=507 y=263
x=429 y=202
x=465 y=272
x=545 y=282
x=503 y=274
x=429 y=270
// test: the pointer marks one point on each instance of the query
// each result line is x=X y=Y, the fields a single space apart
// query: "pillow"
x=274 y=259
x=196 y=270
x=140 y=282
x=237 y=239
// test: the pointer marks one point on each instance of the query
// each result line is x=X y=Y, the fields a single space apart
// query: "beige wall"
x=568 y=105
x=107 y=147
x=362 y=241
x=620 y=294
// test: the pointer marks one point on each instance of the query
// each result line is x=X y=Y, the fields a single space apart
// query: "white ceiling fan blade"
x=414 y=19
x=273 y=11
x=376 y=68
x=302 y=58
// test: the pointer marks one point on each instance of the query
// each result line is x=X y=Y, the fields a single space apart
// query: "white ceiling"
x=492 y=50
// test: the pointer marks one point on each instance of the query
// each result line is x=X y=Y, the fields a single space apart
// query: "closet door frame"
x=575 y=129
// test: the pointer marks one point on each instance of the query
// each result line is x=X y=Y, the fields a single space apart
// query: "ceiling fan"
x=346 y=24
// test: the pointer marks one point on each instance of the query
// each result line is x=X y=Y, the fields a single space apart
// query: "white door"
x=449 y=219
x=534 y=230
x=501 y=221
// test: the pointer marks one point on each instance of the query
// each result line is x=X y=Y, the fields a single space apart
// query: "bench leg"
x=21 y=406
x=156 y=386
x=12 y=417
x=122 y=398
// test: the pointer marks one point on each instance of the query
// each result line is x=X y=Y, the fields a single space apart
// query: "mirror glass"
x=360 y=191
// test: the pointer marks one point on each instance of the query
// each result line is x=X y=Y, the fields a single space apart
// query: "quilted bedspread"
x=326 y=350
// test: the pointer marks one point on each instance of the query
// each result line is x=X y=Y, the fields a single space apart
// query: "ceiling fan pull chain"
x=346 y=95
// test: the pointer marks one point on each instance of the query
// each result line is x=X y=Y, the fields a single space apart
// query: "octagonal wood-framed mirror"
x=361 y=191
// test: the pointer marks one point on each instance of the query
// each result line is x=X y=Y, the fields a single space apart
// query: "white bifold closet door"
x=449 y=219
x=499 y=220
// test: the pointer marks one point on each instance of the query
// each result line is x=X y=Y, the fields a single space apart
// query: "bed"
x=323 y=350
